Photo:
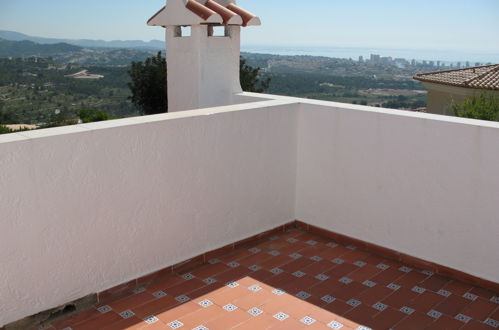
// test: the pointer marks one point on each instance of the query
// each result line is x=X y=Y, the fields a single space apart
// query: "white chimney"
x=203 y=48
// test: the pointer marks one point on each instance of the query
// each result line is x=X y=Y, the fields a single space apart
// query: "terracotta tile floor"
x=297 y=280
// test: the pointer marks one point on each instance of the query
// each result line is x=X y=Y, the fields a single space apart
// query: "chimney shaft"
x=203 y=63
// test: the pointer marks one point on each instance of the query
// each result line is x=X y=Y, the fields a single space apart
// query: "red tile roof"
x=199 y=9
x=228 y=16
x=480 y=77
x=212 y=12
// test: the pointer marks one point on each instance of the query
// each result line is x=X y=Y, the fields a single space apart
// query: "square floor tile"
x=434 y=314
x=182 y=299
x=159 y=294
x=276 y=271
x=444 y=293
x=232 y=284
x=104 y=309
x=127 y=314
x=345 y=280
x=205 y=303
x=281 y=316
x=175 y=324
x=209 y=280
x=407 y=310
x=493 y=323
x=322 y=277
x=393 y=286
x=278 y=292
x=380 y=307
x=335 y=325
x=151 y=319
x=230 y=307
x=188 y=276
x=418 y=289
x=255 y=288
x=354 y=303
x=307 y=320
x=470 y=296
x=139 y=290
x=254 y=268
x=463 y=318
x=328 y=299
x=368 y=283
x=255 y=311
x=303 y=295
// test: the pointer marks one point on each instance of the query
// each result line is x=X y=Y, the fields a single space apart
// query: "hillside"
x=151 y=45
x=28 y=48
x=63 y=52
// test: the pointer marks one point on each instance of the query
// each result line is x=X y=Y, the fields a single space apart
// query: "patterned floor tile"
x=296 y=280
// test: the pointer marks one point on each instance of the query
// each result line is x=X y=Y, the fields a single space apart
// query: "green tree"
x=5 y=130
x=148 y=86
x=483 y=106
x=149 y=83
x=90 y=115
x=251 y=80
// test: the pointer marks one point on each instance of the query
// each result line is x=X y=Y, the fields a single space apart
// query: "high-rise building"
x=375 y=58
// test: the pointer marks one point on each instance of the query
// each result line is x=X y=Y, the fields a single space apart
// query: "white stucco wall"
x=421 y=184
x=88 y=207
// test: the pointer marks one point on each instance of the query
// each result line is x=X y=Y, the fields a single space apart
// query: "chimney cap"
x=197 y=12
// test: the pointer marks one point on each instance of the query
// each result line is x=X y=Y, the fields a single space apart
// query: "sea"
x=354 y=53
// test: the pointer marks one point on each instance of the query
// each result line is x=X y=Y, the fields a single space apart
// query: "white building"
x=446 y=88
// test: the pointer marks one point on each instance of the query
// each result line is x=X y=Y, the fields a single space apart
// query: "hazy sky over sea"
x=468 y=25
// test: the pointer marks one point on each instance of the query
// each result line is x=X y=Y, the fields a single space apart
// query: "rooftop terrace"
x=117 y=201
x=188 y=219
x=294 y=279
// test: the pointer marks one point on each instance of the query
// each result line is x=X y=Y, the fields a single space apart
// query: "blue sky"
x=424 y=24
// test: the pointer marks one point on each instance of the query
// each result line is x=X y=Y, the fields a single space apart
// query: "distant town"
x=403 y=63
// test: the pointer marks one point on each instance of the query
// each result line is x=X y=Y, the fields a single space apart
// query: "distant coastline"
x=447 y=57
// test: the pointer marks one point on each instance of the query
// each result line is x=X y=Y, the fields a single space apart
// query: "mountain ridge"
x=89 y=43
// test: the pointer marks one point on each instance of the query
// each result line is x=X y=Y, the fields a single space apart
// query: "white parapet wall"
x=87 y=207
x=425 y=185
